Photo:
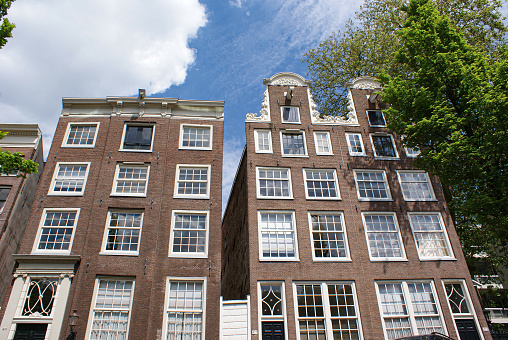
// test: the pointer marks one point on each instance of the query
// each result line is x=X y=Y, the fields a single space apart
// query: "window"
x=189 y=235
x=110 y=316
x=293 y=143
x=409 y=308
x=277 y=239
x=430 y=237
x=416 y=186
x=184 y=317
x=197 y=137
x=263 y=141
x=376 y=118
x=274 y=183
x=383 y=237
x=411 y=152
x=4 y=193
x=123 y=231
x=328 y=236
x=321 y=184
x=371 y=185
x=383 y=146
x=137 y=137
x=131 y=180
x=81 y=135
x=355 y=144
x=322 y=142
x=69 y=179
x=192 y=181
x=327 y=311
x=272 y=308
x=290 y=114
x=56 y=231
x=461 y=308
x=40 y=297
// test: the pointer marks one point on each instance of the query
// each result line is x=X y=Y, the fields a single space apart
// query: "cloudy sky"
x=208 y=49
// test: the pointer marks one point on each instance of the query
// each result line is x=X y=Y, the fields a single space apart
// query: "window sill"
x=267 y=152
x=119 y=253
x=324 y=198
x=429 y=200
x=324 y=154
x=362 y=155
x=188 y=256
x=380 y=158
x=438 y=259
x=274 y=198
x=134 y=150
x=79 y=146
x=66 y=194
x=192 y=197
x=295 y=156
x=375 y=200
x=127 y=195
x=279 y=260
x=197 y=149
x=327 y=260
x=389 y=260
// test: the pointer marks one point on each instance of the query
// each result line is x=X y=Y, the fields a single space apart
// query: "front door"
x=467 y=329
x=273 y=330
x=30 y=331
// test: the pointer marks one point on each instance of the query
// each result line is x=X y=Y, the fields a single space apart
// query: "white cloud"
x=236 y=3
x=92 y=48
x=233 y=149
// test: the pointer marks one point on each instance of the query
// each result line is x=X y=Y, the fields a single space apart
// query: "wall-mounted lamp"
x=73 y=319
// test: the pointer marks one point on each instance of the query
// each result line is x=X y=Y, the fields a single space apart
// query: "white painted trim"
x=127 y=123
x=294 y=132
x=55 y=175
x=180 y=143
x=321 y=198
x=115 y=179
x=66 y=136
x=295 y=237
x=444 y=231
x=177 y=175
x=346 y=243
x=386 y=213
x=349 y=147
x=35 y=246
x=327 y=133
x=256 y=141
x=389 y=198
x=258 y=195
x=431 y=189
x=393 y=145
x=106 y=233
x=282 y=318
x=172 y=234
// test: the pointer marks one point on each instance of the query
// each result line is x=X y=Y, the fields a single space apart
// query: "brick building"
x=17 y=194
x=126 y=229
x=331 y=232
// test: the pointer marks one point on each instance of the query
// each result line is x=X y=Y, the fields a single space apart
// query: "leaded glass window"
x=271 y=300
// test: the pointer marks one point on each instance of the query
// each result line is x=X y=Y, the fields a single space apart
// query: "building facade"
x=17 y=194
x=125 y=234
x=333 y=234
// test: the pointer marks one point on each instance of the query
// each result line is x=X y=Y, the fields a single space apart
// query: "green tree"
x=6 y=27
x=367 y=45
x=11 y=162
x=452 y=104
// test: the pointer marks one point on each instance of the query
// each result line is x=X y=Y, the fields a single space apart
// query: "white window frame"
x=321 y=198
x=389 y=195
x=131 y=165
x=94 y=300
x=182 y=126
x=283 y=318
x=409 y=305
x=104 y=251
x=6 y=198
x=169 y=279
x=382 y=114
x=326 y=306
x=472 y=312
x=274 y=197
x=126 y=124
x=328 y=140
x=443 y=230
x=198 y=196
x=35 y=248
x=410 y=152
x=393 y=145
x=282 y=115
x=347 y=258
x=172 y=233
x=397 y=231
x=293 y=132
x=52 y=191
x=256 y=140
x=350 y=148
x=67 y=132
x=427 y=178
x=296 y=258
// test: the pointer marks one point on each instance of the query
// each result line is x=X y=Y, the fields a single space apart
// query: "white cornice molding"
x=364 y=83
x=286 y=78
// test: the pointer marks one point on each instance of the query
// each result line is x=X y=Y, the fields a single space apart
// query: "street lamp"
x=73 y=318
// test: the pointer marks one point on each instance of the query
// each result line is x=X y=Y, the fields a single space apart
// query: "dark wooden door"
x=273 y=330
x=30 y=331
x=467 y=329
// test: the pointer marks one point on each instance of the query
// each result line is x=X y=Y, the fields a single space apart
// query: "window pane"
x=56 y=232
x=456 y=298
x=355 y=144
x=429 y=235
x=70 y=178
x=293 y=144
x=196 y=137
x=124 y=231
x=415 y=186
x=277 y=235
x=372 y=185
x=322 y=143
x=81 y=134
x=138 y=137
x=131 y=180
x=4 y=193
x=40 y=297
x=290 y=114
x=383 y=146
x=328 y=236
x=321 y=184
x=274 y=183
x=271 y=300
x=189 y=233
x=185 y=310
x=383 y=236
x=193 y=181
x=376 y=118
x=263 y=140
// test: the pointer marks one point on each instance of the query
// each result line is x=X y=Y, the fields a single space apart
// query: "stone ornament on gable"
x=364 y=83
x=349 y=118
x=263 y=114
x=287 y=81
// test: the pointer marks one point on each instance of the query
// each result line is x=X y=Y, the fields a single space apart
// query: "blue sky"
x=212 y=50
